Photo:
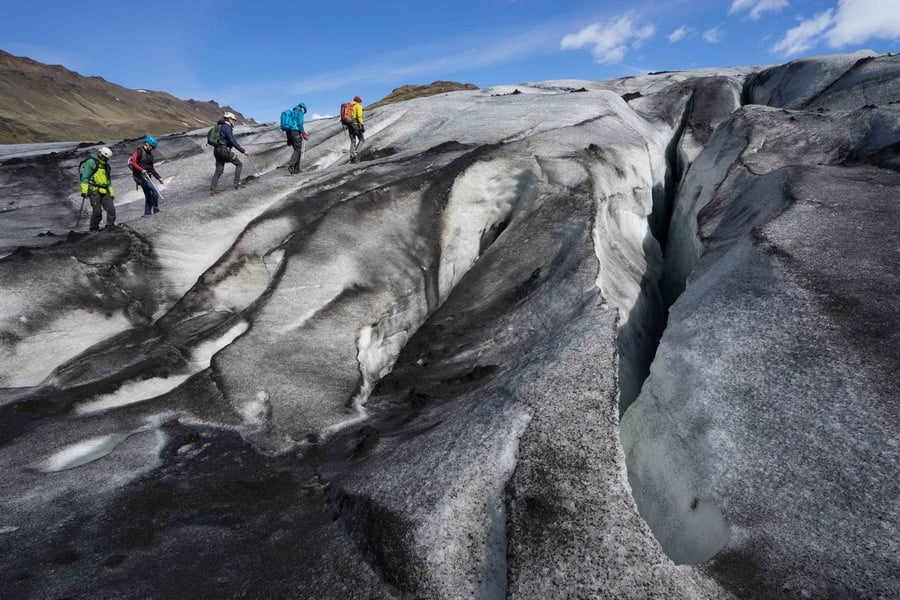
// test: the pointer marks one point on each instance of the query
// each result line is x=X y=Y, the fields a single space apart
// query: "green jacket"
x=95 y=176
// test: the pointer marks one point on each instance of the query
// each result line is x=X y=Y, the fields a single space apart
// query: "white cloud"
x=678 y=34
x=757 y=7
x=609 y=42
x=852 y=22
x=804 y=36
x=713 y=36
x=857 y=21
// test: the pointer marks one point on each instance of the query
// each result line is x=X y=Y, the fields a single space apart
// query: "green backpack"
x=212 y=136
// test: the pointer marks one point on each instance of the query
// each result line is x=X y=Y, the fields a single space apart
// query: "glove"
x=84 y=189
x=362 y=127
x=159 y=179
x=304 y=135
x=84 y=195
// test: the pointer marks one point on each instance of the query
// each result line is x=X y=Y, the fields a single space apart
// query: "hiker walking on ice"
x=96 y=186
x=224 y=154
x=142 y=169
x=295 y=133
x=356 y=128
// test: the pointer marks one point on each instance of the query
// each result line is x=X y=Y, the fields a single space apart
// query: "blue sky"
x=262 y=57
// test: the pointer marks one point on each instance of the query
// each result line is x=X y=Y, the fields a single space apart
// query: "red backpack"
x=346 y=113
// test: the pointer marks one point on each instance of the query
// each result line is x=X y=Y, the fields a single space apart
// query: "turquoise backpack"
x=287 y=120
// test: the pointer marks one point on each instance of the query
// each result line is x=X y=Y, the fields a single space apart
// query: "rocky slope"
x=49 y=103
x=410 y=92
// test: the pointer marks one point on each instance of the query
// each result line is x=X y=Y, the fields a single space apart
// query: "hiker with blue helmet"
x=223 y=153
x=295 y=137
x=96 y=185
x=142 y=169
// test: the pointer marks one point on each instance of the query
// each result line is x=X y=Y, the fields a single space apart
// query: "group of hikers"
x=96 y=181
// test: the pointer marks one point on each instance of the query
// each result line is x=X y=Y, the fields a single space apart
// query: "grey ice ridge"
x=617 y=339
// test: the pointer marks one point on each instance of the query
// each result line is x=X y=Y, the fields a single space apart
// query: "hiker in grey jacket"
x=224 y=154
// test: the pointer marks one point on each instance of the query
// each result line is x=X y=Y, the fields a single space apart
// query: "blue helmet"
x=151 y=140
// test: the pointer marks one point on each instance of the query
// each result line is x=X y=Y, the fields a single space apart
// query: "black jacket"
x=144 y=161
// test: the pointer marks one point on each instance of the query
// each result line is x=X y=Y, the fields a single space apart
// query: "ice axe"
x=153 y=185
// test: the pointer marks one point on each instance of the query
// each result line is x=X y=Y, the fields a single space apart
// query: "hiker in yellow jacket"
x=356 y=129
x=96 y=185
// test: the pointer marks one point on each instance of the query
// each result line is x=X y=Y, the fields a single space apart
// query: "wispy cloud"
x=678 y=34
x=805 y=35
x=428 y=61
x=609 y=42
x=713 y=36
x=757 y=7
x=851 y=22
x=857 y=21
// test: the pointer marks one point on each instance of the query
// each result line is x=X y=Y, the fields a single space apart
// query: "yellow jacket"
x=357 y=113
x=95 y=176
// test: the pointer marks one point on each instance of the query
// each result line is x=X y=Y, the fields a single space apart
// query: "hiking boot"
x=214 y=192
x=155 y=210
x=354 y=157
x=293 y=170
x=240 y=186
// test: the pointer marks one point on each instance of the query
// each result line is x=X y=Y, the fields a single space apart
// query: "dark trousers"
x=151 y=196
x=296 y=142
x=99 y=203
x=225 y=155
x=356 y=138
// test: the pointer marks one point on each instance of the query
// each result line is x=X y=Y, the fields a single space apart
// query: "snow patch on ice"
x=82 y=453
x=133 y=392
x=481 y=198
x=378 y=350
x=30 y=361
x=186 y=254
x=257 y=411
x=201 y=356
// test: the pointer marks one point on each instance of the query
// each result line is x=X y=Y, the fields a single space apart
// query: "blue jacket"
x=297 y=115
x=226 y=136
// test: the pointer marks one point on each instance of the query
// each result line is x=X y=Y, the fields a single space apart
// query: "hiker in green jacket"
x=96 y=186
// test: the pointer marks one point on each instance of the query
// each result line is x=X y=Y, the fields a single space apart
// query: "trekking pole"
x=253 y=166
x=153 y=185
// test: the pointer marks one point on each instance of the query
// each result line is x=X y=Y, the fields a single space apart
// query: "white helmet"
x=229 y=115
x=105 y=152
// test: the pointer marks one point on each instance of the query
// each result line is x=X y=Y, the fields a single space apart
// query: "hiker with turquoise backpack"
x=292 y=126
x=221 y=137
x=142 y=169
x=96 y=186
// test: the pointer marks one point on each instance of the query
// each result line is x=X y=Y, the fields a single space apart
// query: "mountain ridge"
x=50 y=103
